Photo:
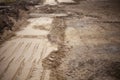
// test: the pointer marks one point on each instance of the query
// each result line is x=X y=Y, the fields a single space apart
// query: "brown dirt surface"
x=93 y=42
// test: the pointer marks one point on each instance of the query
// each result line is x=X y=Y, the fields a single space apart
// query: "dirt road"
x=21 y=56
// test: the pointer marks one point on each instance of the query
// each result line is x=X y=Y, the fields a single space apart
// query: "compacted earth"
x=65 y=40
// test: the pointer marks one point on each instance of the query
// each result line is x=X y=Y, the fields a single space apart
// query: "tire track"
x=24 y=51
x=2 y=52
x=4 y=49
x=2 y=59
x=30 y=71
x=32 y=59
x=23 y=71
x=2 y=74
x=41 y=52
x=29 y=52
x=15 y=50
x=41 y=55
x=18 y=72
x=23 y=56
x=33 y=52
x=37 y=72
x=12 y=70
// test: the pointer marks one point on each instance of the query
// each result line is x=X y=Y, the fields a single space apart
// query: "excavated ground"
x=91 y=44
x=65 y=42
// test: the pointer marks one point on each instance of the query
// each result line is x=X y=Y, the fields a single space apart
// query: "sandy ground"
x=92 y=42
x=21 y=56
x=73 y=42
